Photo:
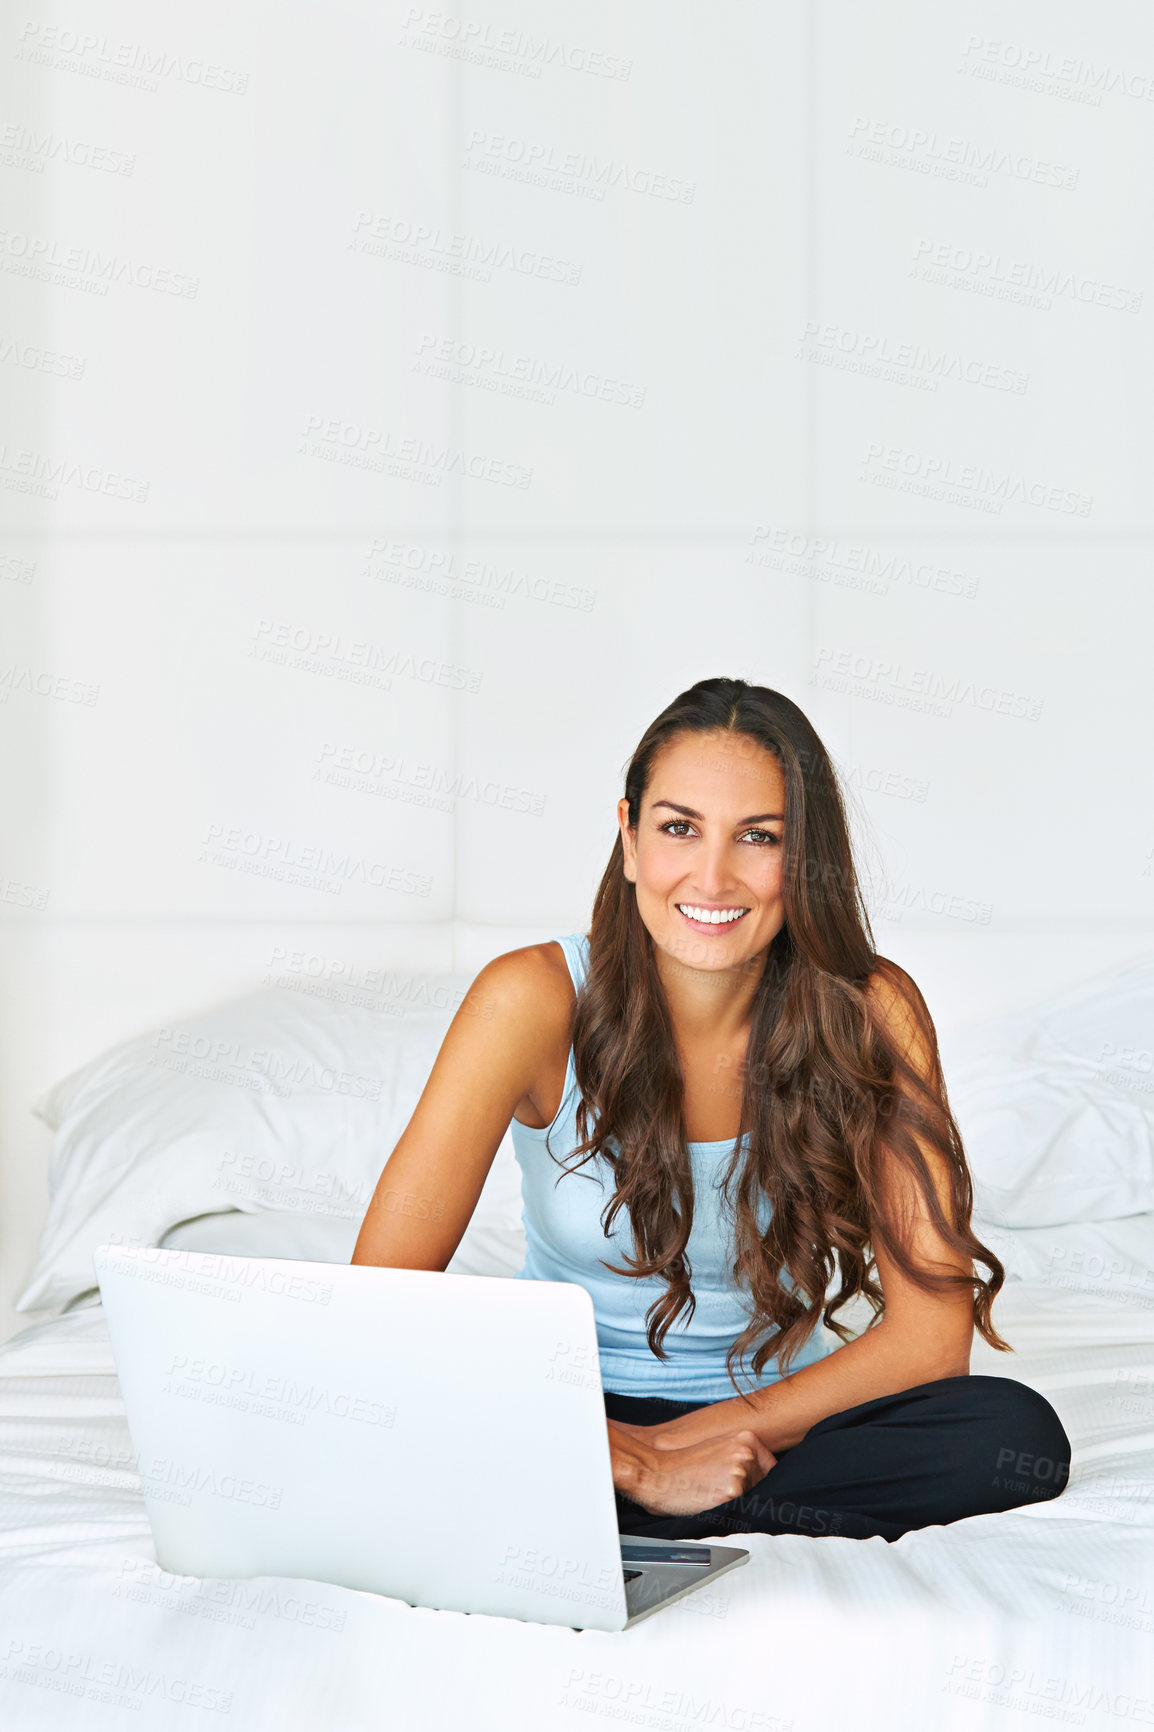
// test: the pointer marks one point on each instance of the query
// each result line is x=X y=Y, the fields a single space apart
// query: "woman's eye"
x=683 y=824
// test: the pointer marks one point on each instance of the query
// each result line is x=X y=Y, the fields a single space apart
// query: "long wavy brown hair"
x=826 y=1092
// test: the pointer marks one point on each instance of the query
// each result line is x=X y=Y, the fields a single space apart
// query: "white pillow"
x=274 y=1101
x=284 y=1102
x=1112 y=1260
x=1056 y=1108
x=1048 y=1146
x=494 y=1244
x=1105 y=1023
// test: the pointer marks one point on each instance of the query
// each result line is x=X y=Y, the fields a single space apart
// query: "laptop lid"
x=437 y=1438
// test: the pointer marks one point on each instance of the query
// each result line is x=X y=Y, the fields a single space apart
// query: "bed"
x=257 y=1127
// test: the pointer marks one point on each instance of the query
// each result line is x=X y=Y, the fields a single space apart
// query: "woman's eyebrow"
x=688 y=812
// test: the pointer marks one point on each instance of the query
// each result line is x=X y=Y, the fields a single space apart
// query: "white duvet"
x=280 y=1107
x=1045 y=1613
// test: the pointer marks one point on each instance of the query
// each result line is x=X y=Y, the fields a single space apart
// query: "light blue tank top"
x=564 y=1240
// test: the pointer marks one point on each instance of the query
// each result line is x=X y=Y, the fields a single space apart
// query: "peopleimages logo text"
x=998 y=487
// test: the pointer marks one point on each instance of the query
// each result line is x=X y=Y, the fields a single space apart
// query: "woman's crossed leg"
x=957 y=1447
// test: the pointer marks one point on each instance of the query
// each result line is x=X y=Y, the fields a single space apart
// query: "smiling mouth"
x=710 y=919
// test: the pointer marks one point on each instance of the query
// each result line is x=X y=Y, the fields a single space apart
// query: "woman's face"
x=709 y=842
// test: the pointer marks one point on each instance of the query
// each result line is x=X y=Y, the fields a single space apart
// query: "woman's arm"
x=489 y=1060
x=921 y=1336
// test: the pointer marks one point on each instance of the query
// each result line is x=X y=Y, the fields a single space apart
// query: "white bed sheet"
x=1047 y=1611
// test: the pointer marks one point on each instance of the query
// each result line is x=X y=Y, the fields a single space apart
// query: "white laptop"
x=437 y=1438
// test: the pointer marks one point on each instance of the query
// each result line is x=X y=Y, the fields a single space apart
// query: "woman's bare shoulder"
x=895 y=1000
x=531 y=984
x=888 y=983
x=534 y=998
x=890 y=986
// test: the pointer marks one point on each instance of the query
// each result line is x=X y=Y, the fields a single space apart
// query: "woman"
x=748 y=1127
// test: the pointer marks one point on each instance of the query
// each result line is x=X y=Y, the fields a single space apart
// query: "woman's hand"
x=674 y=1480
x=704 y=1424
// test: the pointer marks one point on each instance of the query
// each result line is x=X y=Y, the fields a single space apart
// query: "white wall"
x=734 y=229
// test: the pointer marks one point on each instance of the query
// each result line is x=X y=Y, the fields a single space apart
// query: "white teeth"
x=713 y=917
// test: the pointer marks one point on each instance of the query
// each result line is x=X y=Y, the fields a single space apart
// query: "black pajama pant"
x=957 y=1447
